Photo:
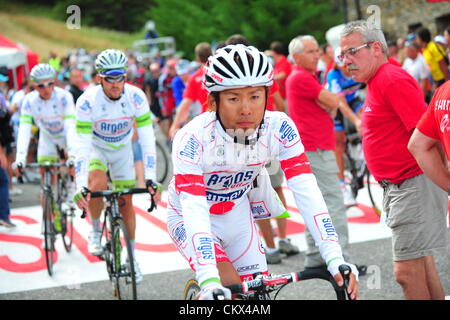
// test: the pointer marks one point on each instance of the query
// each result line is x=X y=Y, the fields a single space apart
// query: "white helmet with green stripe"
x=42 y=71
x=111 y=62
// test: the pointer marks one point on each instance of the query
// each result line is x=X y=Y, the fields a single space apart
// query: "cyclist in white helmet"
x=218 y=162
x=51 y=109
x=104 y=129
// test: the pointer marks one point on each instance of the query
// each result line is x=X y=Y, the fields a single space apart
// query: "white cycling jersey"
x=55 y=119
x=213 y=175
x=107 y=125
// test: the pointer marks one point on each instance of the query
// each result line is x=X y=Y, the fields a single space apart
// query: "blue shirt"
x=337 y=82
x=178 y=88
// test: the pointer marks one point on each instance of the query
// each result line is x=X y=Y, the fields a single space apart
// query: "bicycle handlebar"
x=282 y=279
x=114 y=193
x=40 y=165
x=118 y=193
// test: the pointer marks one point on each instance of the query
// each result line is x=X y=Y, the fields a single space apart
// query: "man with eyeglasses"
x=104 y=129
x=414 y=207
x=312 y=108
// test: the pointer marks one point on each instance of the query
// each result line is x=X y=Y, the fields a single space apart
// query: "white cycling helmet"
x=111 y=62
x=42 y=71
x=237 y=66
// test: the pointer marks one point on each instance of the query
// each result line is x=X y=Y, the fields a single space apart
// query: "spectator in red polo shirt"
x=282 y=67
x=194 y=90
x=432 y=132
x=312 y=108
x=415 y=208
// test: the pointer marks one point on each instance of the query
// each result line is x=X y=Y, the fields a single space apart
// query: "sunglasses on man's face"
x=114 y=79
x=43 y=85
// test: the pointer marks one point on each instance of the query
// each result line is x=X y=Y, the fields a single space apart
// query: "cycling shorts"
x=234 y=233
x=47 y=148
x=119 y=163
x=340 y=123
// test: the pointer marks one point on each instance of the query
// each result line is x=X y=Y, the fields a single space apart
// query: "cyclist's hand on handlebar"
x=17 y=167
x=353 y=284
x=154 y=189
x=81 y=198
x=214 y=291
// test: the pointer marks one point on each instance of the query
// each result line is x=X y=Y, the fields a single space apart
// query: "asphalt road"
x=378 y=284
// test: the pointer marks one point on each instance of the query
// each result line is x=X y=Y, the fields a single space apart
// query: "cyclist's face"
x=242 y=108
x=45 y=88
x=112 y=90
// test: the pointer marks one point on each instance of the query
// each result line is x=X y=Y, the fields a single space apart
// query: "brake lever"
x=84 y=193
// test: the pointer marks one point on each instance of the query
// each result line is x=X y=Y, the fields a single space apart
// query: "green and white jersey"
x=108 y=125
x=54 y=117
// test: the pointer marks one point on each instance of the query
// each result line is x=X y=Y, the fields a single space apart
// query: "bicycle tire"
x=125 y=277
x=107 y=248
x=191 y=290
x=66 y=215
x=67 y=227
x=375 y=206
x=162 y=164
x=49 y=234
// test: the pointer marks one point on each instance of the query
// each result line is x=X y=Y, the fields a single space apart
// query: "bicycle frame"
x=261 y=287
x=112 y=253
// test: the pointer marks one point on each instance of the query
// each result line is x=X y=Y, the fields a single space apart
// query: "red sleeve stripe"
x=190 y=183
x=295 y=166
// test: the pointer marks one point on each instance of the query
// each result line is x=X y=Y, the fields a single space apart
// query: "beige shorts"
x=416 y=211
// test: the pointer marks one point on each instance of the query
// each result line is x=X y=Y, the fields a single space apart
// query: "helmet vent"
x=227 y=66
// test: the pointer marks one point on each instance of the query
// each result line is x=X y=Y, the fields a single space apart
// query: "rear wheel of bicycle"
x=125 y=277
x=162 y=164
x=375 y=193
x=49 y=234
x=67 y=227
x=191 y=290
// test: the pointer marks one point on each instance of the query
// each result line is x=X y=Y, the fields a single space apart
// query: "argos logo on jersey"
x=325 y=226
x=190 y=149
x=229 y=180
x=259 y=210
x=113 y=127
x=204 y=249
x=287 y=134
x=54 y=125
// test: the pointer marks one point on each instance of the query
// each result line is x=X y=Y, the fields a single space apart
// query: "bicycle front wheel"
x=124 y=271
x=67 y=227
x=49 y=233
x=191 y=290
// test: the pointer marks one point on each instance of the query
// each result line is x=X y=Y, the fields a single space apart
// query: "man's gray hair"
x=296 y=44
x=368 y=32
